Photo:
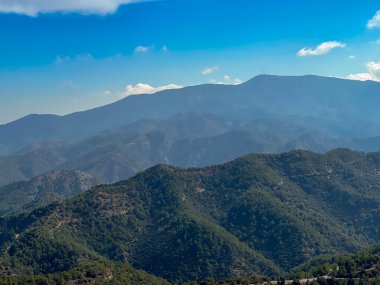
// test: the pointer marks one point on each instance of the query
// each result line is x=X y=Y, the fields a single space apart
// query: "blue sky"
x=64 y=56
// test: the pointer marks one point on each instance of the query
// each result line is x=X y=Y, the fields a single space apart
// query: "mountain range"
x=184 y=140
x=195 y=127
x=335 y=106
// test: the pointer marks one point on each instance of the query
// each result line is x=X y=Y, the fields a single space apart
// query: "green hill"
x=43 y=189
x=258 y=214
x=362 y=267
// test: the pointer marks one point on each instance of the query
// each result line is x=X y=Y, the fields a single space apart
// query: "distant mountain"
x=333 y=106
x=257 y=214
x=186 y=140
x=43 y=189
x=113 y=155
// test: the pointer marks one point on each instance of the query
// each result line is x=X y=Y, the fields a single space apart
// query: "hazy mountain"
x=336 y=106
x=186 y=139
x=234 y=219
x=113 y=155
x=42 y=190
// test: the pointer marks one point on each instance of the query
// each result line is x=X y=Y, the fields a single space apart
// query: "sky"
x=59 y=57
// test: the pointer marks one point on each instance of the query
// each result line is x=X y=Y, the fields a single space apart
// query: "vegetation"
x=42 y=190
x=365 y=265
x=260 y=214
x=89 y=273
x=344 y=269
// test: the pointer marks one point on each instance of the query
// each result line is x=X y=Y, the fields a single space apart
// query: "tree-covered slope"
x=364 y=265
x=95 y=272
x=235 y=219
x=43 y=189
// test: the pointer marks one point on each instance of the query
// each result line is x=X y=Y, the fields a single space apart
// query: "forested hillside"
x=258 y=214
x=44 y=189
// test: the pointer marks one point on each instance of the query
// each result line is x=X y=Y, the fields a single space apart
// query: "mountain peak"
x=289 y=77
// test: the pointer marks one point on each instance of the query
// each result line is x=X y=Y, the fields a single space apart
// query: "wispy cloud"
x=374 y=22
x=142 y=88
x=79 y=57
x=35 y=7
x=360 y=76
x=373 y=72
x=145 y=49
x=209 y=70
x=142 y=49
x=226 y=80
x=62 y=59
x=321 y=49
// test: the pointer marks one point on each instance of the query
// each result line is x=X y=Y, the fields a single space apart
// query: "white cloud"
x=141 y=49
x=209 y=70
x=351 y=56
x=35 y=7
x=79 y=57
x=373 y=72
x=359 y=76
x=321 y=49
x=226 y=80
x=374 y=22
x=61 y=59
x=142 y=88
x=237 y=81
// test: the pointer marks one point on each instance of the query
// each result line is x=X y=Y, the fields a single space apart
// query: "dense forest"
x=260 y=214
x=100 y=272
x=42 y=190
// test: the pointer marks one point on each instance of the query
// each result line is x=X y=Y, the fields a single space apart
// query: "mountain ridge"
x=249 y=100
x=186 y=140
